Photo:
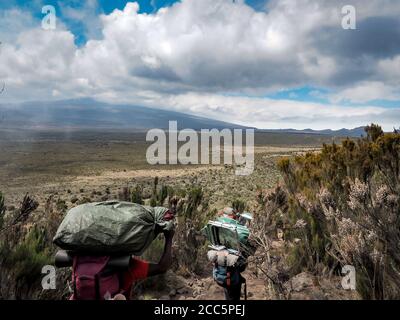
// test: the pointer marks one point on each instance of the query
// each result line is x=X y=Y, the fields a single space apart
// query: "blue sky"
x=78 y=27
x=103 y=7
x=320 y=95
x=244 y=55
x=107 y=6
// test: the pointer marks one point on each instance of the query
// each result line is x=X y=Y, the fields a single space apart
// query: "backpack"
x=93 y=280
x=228 y=268
x=226 y=276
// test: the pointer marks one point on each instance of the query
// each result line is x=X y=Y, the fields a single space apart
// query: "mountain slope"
x=356 y=132
x=91 y=114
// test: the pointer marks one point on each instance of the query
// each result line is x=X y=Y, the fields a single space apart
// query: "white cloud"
x=277 y=114
x=366 y=91
x=389 y=69
x=195 y=55
x=85 y=14
x=14 y=22
x=39 y=62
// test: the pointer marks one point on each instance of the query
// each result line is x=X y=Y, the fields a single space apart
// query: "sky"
x=269 y=64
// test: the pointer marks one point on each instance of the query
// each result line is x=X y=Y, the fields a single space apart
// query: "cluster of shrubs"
x=27 y=258
x=341 y=206
x=24 y=250
x=2 y=210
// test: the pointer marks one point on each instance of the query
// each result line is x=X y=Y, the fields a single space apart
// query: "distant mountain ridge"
x=91 y=114
x=356 y=132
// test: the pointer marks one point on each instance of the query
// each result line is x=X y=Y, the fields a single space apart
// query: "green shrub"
x=27 y=259
x=348 y=195
x=2 y=210
x=155 y=250
x=160 y=194
x=136 y=195
x=239 y=205
x=61 y=205
x=193 y=201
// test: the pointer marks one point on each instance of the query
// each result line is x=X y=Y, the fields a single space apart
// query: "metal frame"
x=225 y=226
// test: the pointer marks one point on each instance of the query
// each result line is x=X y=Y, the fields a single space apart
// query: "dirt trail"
x=107 y=176
x=303 y=286
x=203 y=288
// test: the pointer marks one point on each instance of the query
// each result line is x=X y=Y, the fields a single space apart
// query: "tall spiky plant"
x=2 y=210
x=136 y=195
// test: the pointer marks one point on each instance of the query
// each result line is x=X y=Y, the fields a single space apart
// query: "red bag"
x=92 y=280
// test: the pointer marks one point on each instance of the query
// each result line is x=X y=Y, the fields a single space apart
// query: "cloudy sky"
x=263 y=63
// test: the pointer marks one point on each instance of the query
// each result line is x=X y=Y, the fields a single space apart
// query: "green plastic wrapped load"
x=111 y=227
x=228 y=233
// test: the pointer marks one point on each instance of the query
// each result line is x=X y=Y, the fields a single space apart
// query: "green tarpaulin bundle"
x=111 y=227
x=227 y=232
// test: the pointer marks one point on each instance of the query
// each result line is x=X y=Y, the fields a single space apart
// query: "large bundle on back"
x=228 y=233
x=230 y=248
x=111 y=227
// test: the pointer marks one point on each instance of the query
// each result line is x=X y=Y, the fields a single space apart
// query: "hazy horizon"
x=45 y=111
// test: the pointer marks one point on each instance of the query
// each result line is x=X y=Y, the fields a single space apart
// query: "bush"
x=270 y=216
x=27 y=259
x=25 y=249
x=61 y=205
x=2 y=210
x=193 y=200
x=191 y=212
x=348 y=197
x=136 y=195
x=239 y=205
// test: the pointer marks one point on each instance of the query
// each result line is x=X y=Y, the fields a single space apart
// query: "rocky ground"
x=304 y=286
